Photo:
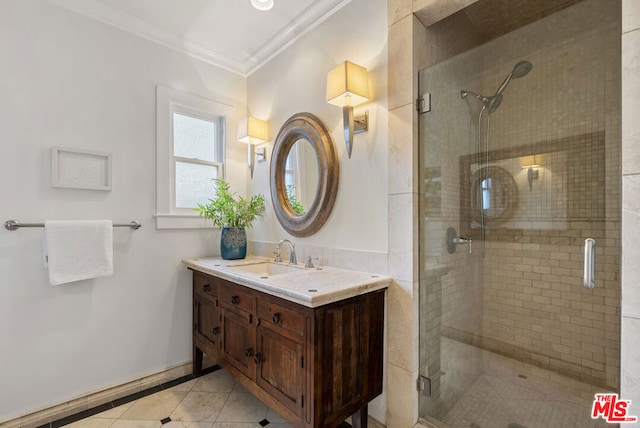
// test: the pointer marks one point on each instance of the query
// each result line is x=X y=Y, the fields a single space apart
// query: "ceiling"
x=494 y=18
x=227 y=33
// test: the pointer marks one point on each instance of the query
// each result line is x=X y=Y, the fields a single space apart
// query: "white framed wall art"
x=80 y=169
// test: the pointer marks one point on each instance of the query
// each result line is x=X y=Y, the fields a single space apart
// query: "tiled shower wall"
x=407 y=42
x=536 y=309
x=524 y=298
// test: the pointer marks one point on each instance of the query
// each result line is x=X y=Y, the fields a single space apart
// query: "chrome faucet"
x=292 y=254
x=309 y=263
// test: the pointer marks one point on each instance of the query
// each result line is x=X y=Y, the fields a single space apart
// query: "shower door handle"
x=589 y=280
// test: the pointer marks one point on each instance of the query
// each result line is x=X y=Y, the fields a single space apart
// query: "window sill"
x=182 y=221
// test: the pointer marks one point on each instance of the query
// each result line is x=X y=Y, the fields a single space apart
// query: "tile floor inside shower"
x=505 y=393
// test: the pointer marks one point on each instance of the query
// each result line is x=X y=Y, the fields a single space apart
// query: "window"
x=291 y=179
x=190 y=154
x=486 y=194
x=197 y=157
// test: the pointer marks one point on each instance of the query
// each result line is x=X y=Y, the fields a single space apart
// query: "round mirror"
x=301 y=176
x=493 y=190
x=304 y=175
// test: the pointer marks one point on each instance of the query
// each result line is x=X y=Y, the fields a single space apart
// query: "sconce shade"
x=347 y=85
x=530 y=161
x=252 y=131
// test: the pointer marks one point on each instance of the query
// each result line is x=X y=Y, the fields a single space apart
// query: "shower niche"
x=540 y=186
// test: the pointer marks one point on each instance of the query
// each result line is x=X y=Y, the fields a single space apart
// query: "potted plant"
x=232 y=214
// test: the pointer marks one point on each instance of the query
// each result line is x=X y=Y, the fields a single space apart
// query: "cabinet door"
x=206 y=324
x=238 y=340
x=280 y=368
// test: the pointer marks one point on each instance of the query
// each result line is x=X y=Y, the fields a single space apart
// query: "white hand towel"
x=78 y=249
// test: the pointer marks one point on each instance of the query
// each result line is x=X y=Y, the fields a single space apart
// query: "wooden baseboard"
x=89 y=401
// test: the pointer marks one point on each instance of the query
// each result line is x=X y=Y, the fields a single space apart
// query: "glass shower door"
x=518 y=169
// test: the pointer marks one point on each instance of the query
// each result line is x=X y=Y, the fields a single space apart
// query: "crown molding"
x=308 y=19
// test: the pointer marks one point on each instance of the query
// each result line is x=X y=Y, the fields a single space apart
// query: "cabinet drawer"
x=234 y=296
x=205 y=285
x=280 y=316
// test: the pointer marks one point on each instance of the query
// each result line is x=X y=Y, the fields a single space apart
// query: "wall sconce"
x=348 y=86
x=530 y=163
x=253 y=132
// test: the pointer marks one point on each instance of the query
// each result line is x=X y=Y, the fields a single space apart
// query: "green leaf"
x=229 y=210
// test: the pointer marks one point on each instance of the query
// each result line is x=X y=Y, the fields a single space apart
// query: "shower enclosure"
x=520 y=167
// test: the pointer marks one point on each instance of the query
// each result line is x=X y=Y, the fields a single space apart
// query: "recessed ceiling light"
x=262 y=4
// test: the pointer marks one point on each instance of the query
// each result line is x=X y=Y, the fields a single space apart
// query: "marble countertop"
x=309 y=287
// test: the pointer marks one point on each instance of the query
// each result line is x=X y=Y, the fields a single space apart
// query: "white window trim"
x=169 y=100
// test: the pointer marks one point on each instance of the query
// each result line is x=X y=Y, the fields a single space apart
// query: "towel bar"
x=14 y=225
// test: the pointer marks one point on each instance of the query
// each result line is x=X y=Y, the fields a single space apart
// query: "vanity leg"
x=197 y=361
x=360 y=418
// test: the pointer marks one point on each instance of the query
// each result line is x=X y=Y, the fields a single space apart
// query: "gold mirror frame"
x=309 y=127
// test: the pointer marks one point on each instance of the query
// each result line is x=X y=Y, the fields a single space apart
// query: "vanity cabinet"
x=280 y=347
x=206 y=318
x=314 y=366
x=238 y=327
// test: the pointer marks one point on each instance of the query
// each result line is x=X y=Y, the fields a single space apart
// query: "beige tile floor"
x=214 y=400
x=507 y=393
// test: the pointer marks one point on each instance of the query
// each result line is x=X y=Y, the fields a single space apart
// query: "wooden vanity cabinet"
x=314 y=366
x=280 y=351
x=206 y=318
x=238 y=328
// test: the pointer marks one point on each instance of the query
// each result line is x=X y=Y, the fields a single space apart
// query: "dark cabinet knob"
x=258 y=358
x=276 y=318
x=207 y=288
x=235 y=300
x=248 y=352
x=216 y=330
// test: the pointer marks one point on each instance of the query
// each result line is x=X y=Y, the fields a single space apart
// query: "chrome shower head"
x=492 y=103
x=521 y=69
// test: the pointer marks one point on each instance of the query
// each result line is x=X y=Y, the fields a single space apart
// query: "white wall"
x=356 y=234
x=70 y=81
x=295 y=81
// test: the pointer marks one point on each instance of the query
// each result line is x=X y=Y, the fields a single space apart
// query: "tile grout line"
x=124 y=400
x=166 y=386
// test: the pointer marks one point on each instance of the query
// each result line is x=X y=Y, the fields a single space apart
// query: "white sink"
x=265 y=269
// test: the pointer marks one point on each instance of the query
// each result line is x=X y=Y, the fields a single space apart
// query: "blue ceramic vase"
x=233 y=243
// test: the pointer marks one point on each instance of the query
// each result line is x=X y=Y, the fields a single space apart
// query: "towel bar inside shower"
x=15 y=225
